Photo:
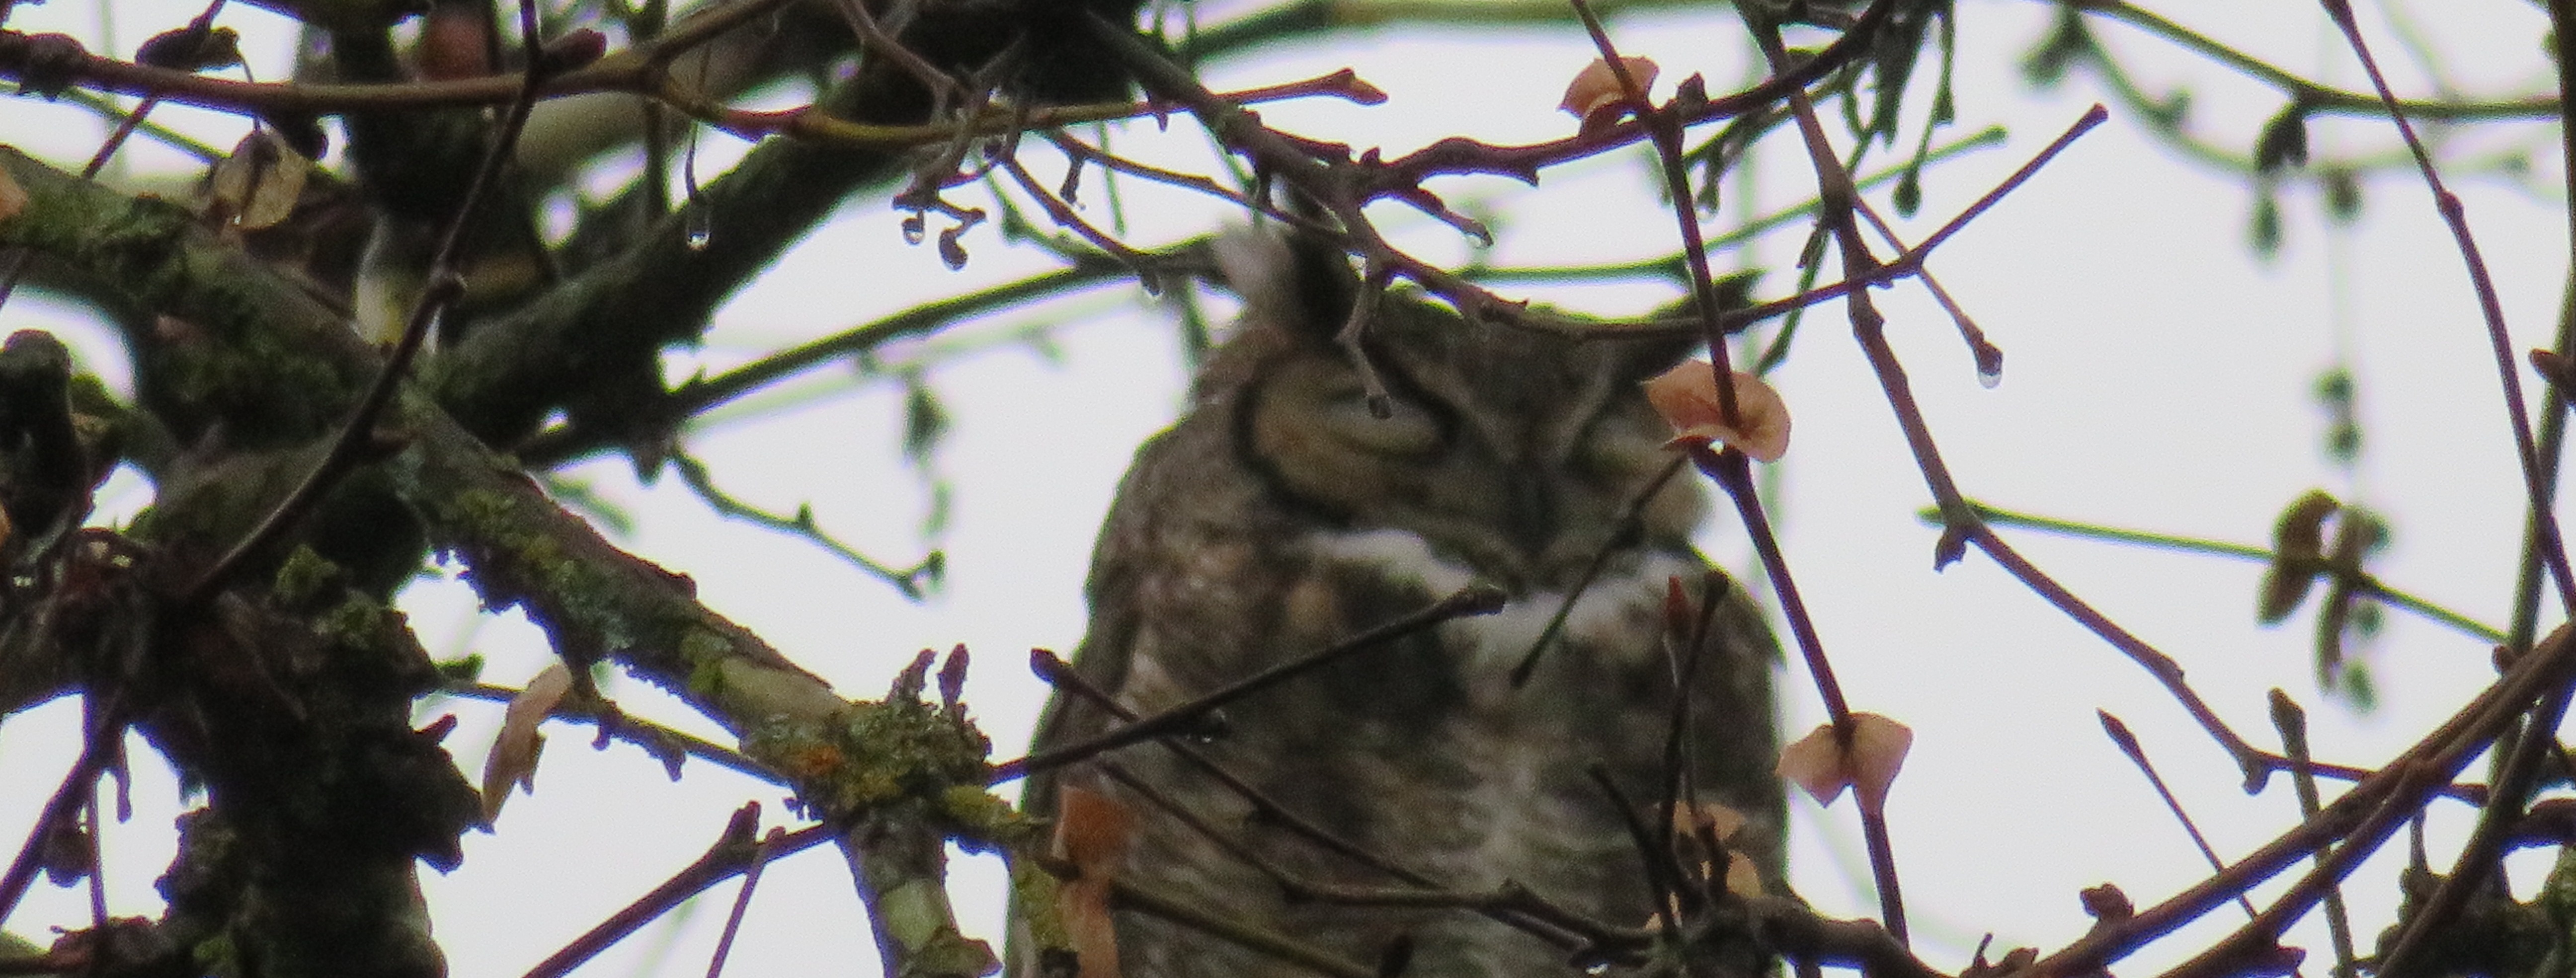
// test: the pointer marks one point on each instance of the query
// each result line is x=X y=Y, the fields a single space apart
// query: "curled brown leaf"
x=513 y=761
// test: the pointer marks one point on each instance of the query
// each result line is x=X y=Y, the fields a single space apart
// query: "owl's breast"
x=1615 y=619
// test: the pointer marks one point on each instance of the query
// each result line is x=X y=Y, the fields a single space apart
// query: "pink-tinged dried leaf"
x=1091 y=833
x=1687 y=398
x=1596 y=96
x=1818 y=763
x=13 y=198
x=513 y=761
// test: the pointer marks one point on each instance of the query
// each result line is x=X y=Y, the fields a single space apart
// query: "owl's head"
x=1510 y=452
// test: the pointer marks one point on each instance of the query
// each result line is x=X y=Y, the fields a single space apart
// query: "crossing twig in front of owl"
x=1626 y=523
x=1509 y=904
x=1063 y=678
x=1519 y=908
x=1474 y=599
x=1654 y=849
x=1733 y=471
x=1341 y=184
x=1129 y=895
x=1666 y=134
x=1678 y=784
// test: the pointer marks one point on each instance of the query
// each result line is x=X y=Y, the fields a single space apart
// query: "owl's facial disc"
x=1519 y=476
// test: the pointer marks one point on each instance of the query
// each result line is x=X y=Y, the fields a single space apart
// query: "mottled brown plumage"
x=1279 y=516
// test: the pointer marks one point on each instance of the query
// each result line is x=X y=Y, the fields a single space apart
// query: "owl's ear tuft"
x=1288 y=281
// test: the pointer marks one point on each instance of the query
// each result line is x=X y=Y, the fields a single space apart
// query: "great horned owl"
x=1281 y=515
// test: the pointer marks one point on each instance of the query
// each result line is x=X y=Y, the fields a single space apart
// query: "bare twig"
x=2378 y=803
x=2292 y=723
x=1475 y=599
x=733 y=853
x=2362 y=583
x=909 y=580
x=2137 y=755
x=742 y=900
x=2538 y=738
x=97 y=749
x=656 y=739
x=1127 y=893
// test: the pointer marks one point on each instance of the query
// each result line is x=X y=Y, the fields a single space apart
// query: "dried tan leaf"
x=513 y=761
x=1742 y=879
x=258 y=185
x=13 y=198
x=1091 y=833
x=1721 y=823
x=1596 y=96
x=1687 y=398
x=1818 y=763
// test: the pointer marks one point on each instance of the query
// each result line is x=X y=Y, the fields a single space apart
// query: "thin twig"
x=2137 y=754
x=2292 y=723
x=2398 y=788
x=732 y=853
x=2537 y=740
x=65 y=803
x=1064 y=679
x=656 y=739
x=1734 y=471
x=742 y=900
x=2362 y=583
x=1475 y=599
x=907 y=579
x=1127 y=893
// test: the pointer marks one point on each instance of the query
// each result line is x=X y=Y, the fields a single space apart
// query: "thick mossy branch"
x=613 y=319
x=223 y=346
x=905 y=776
x=250 y=340
x=902 y=775
x=294 y=709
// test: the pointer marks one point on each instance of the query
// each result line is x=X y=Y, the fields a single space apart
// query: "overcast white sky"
x=2158 y=378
